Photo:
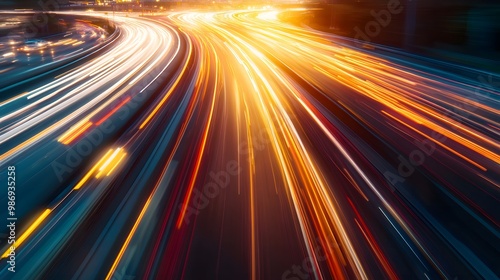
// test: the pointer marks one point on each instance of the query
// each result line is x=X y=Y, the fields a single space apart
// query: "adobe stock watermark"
x=211 y=190
x=94 y=138
x=381 y=20
x=40 y=19
x=427 y=147
x=306 y=268
x=222 y=178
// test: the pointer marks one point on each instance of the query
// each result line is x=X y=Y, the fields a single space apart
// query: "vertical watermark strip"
x=11 y=217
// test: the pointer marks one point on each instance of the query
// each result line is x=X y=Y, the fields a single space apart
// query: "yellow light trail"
x=105 y=165
x=92 y=170
x=28 y=231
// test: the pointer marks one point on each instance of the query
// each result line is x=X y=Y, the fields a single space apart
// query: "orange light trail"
x=103 y=119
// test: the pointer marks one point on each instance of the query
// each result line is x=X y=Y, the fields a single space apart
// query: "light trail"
x=271 y=152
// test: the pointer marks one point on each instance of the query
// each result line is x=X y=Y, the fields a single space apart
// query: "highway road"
x=23 y=57
x=230 y=145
